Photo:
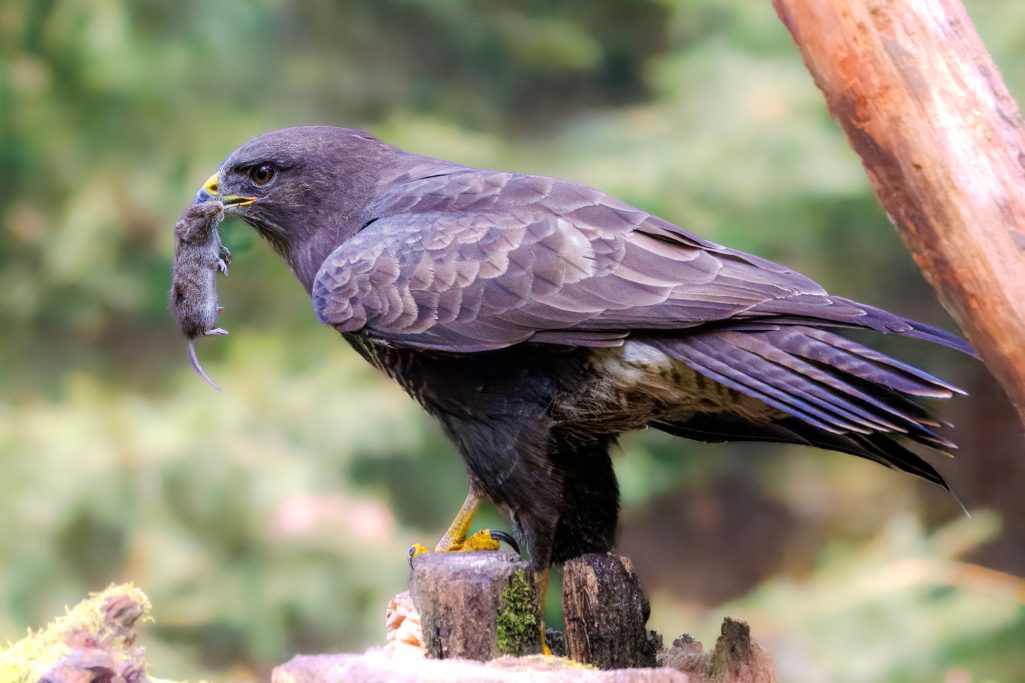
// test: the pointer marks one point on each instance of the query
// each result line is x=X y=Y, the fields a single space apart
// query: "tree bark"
x=606 y=613
x=476 y=605
x=943 y=144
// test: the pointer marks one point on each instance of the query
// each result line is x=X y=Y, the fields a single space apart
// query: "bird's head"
x=302 y=188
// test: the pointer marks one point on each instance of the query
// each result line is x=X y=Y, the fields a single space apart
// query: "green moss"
x=519 y=621
x=104 y=621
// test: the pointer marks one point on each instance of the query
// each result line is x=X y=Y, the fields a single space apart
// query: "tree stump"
x=476 y=605
x=737 y=658
x=606 y=613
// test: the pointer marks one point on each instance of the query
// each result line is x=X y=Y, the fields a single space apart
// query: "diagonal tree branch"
x=943 y=144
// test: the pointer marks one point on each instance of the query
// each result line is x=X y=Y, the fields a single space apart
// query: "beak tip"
x=202 y=196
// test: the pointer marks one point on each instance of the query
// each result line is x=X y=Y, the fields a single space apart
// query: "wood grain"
x=943 y=143
x=464 y=600
x=606 y=613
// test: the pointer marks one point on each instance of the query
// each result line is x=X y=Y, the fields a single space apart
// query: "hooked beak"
x=209 y=192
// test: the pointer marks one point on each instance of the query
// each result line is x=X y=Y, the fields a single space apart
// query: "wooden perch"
x=96 y=642
x=476 y=605
x=606 y=613
x=943 y=144
x=463 y=601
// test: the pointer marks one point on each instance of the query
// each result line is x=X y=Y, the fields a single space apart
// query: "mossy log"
x=94 y=641
x=476 y=605
x=482 y=606
x=470 y=596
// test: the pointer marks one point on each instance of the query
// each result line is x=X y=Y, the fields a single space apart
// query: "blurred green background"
x=274 y=518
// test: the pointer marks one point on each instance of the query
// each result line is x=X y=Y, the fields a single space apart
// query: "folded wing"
x=473 y=261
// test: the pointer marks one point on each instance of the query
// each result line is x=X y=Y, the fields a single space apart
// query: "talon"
x=415 y=550
x=456 y=539
x=502 y=536
x=482 y=540
x=216 y=332
x=222 y=266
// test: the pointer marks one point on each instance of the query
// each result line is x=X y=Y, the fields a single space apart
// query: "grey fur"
x=198 y=257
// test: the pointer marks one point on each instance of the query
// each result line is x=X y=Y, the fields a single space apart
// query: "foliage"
x=849 y=620
x=274 y=518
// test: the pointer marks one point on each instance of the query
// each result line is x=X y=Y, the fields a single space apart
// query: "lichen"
x=519 y=621
x=102 y=624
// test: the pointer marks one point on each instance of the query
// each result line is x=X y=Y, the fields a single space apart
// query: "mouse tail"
x=199 y=368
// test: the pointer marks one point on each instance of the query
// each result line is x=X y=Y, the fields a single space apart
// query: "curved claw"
x=414 y=550
x=502 y=536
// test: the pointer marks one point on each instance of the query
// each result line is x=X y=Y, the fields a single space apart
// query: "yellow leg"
x=455 y=539
x=455 y=536
x=542 y=593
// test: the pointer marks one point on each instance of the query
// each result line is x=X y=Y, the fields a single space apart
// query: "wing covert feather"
x=478 y=260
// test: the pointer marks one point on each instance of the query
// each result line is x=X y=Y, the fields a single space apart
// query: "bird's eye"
x=262 y=174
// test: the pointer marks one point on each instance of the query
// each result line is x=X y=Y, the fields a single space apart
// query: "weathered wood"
x=737 y=658
x=606 y=612
x=943 y=144
x=476 y=605
x=376 y=666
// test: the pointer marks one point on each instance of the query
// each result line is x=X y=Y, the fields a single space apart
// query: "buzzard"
x=537 y=320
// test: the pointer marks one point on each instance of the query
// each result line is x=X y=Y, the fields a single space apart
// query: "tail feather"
x=879 y=448
x=774 y=348
x=834 y=392
x=919 y=330
x=863 y=362
x=702 y=355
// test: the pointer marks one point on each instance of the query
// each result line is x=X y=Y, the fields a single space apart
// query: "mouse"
x=198 y=256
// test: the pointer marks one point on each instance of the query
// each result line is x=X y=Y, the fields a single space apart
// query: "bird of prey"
x=537 y=320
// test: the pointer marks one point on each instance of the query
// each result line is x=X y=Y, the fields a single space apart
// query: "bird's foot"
x=456 y=538
x=482 y=540
x=485 y=539
x=216 y=332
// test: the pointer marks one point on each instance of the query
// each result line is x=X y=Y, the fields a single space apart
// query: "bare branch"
x=942 y=142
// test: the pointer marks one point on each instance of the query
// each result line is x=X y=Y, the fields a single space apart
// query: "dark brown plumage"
x=537 y=319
